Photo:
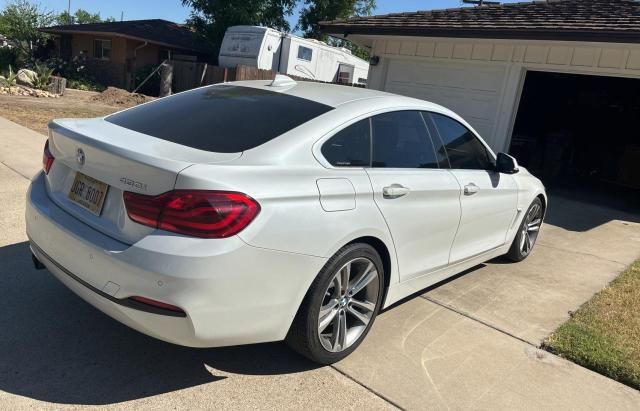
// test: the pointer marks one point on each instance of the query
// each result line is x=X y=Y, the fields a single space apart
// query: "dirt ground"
x=35 y=113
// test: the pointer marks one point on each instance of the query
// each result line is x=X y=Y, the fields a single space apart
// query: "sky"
x=174 y=11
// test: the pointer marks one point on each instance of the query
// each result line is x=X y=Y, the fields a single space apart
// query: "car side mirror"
x=506 y=164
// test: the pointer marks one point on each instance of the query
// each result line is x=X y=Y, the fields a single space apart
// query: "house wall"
x=482 y=79
x=110 y=72
x=120 y=69
x=144 y=56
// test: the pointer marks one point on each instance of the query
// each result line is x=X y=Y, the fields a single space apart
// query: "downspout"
x=135 y=58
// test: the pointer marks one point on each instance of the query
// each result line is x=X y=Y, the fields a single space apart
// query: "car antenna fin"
x=282 y=81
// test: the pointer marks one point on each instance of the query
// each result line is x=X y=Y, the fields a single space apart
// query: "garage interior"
x=581 y=135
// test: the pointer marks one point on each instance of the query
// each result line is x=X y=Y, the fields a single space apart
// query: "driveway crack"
x=471 y=317
x=366 y=387
x=542 y=244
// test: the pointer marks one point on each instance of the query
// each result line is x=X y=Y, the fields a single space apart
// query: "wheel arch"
x=543 y=199
x=385 y=255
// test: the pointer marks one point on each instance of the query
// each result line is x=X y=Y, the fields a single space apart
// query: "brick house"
x=116 y=50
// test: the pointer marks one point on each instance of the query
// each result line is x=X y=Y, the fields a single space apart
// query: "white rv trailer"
x=269 y=49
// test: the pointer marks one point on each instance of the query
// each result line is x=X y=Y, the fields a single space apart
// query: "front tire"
x=527 y=232
x=340 y=306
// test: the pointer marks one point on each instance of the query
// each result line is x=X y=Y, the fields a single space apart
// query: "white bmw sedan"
x=263 y=211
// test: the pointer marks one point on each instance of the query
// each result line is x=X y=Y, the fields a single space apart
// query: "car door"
x=418 y=199
x=488 y=199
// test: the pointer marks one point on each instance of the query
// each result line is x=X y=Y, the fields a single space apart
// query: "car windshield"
x=222 y=119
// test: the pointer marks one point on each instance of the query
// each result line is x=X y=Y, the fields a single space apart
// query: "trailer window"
x=222 y=119
x=305 y=53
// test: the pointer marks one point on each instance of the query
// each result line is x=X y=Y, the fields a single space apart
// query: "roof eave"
x=125 y=36
x=602 y=36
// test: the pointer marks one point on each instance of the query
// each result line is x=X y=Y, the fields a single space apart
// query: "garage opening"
x=581 y=135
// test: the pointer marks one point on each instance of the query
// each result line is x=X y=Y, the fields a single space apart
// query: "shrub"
x=76 y=72
x=43 y=79
x=10 y=79
x=8 y=57
x=84 y=85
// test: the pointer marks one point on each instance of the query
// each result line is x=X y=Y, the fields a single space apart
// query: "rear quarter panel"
x=292 y=218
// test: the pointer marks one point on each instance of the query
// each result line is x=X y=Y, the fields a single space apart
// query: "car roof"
x=332 y=94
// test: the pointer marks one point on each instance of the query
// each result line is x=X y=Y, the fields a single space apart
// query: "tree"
x=84 y=17
x=315 y=11
x=213 y=17
x=65 y=19
x=20 y=21
x=80 y=17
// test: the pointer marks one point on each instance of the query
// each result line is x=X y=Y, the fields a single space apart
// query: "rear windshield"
x=221 y=119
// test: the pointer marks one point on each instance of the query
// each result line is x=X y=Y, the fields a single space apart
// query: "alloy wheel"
x=530 y=229
x=349 y=304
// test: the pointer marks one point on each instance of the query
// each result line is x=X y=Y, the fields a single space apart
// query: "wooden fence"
x=188 y=75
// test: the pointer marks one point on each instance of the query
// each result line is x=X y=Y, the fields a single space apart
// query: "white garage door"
x=473 y=91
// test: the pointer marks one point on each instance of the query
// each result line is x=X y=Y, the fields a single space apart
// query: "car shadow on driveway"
x=55 y=347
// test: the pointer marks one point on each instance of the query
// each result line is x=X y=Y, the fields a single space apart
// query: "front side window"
x=222 y=118
x=350 y=147
x=102 y=49
x=305 y=53
x=464 y=149
x=401 y=140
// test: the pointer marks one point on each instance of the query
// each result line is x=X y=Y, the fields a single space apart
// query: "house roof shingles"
x=154 y=31
x=573 y=20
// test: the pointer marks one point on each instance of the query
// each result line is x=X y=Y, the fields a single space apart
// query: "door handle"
x=394 y=191
x=470 y=189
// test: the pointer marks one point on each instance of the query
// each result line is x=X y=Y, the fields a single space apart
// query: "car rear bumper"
x=231 y=293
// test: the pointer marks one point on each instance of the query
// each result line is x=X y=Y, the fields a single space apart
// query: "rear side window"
x=350 y=147
x=401 y=140
x=222 y=119
x=464 y=149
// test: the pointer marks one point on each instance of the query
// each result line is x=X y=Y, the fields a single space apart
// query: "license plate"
x=88 y=193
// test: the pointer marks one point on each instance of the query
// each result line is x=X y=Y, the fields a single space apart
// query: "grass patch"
x=604 y=334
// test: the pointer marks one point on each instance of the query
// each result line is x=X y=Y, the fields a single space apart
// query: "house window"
x=305 y=53
x=102 y=49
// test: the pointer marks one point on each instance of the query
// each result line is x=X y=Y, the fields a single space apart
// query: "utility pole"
x=69 y=8
x=122 y=15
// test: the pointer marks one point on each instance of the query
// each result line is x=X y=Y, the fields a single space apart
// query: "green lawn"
x=604 y=334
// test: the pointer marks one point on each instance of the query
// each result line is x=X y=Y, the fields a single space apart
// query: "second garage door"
x=472 y=91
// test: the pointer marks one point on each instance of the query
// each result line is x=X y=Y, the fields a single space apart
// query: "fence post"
x=166 y=78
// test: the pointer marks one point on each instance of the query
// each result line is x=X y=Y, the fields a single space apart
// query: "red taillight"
x=47 y=158
x=157 y=304
x=208 y=214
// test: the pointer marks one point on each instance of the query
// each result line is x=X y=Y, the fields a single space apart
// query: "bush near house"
x=8 y=57
x=604 y=334
x=77 y=71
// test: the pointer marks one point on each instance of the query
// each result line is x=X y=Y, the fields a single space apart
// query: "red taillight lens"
x=157 y=304
x=208 y=214
x=47 y=158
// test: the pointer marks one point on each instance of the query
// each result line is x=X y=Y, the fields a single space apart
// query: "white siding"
x=482 y=79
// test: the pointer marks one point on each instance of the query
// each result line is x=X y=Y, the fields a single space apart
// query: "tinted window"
x=305 y=53
x=223 y=119
x=401 y=140
x=464 y=149
x=350 y=147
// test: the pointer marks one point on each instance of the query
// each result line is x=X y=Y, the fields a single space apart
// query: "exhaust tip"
x=36 y=263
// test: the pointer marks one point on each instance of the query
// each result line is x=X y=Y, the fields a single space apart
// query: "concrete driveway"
x=469 y=343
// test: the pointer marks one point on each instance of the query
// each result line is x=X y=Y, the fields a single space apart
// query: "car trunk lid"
x=122 y=159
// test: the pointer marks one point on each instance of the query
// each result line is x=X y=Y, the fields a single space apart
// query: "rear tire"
x=528 y=231
x=336 y=315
